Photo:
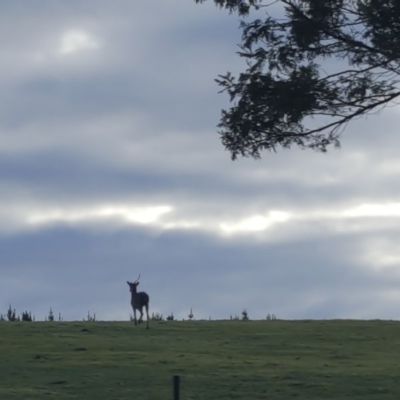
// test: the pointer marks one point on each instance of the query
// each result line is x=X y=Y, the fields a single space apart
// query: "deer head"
x=133 y=285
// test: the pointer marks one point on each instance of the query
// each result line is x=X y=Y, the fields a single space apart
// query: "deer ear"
x=128 y=282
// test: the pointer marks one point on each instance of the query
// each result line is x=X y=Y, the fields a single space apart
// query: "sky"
x=111 y=166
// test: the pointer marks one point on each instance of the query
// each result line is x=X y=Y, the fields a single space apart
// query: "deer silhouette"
x=138 y=301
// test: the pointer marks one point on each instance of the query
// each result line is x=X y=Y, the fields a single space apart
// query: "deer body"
x=138 y=301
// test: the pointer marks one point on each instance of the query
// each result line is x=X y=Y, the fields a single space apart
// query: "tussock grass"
x=216 y=360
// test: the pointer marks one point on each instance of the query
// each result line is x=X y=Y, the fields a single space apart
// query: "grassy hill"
x=215 y=359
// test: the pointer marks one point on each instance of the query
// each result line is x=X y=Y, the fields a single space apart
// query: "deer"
x=138 y=301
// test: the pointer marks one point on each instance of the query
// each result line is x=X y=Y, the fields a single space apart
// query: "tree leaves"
x=332 y=59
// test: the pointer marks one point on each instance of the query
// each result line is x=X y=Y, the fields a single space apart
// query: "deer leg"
x=134 y=316
x=147 y=314
x=141 y=316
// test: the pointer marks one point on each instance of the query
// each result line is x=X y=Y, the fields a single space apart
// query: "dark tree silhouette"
x=312 y=67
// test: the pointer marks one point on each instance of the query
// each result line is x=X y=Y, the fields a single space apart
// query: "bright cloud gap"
x=167 y=217
x=138 y=215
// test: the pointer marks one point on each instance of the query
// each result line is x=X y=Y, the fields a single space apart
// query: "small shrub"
x=50 y=317
x=235 y=317
x=170 y=317
x=245 y=315
x=60 y=319
x=157 y=317
x=27 y=316
x=2 y=317
x=90 y=318
x=11 y=314
x=191 y=316
x=271 y=317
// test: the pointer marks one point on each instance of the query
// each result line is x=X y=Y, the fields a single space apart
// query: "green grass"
x=216 y=360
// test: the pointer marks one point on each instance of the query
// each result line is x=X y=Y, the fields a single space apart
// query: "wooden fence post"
x=176 y=384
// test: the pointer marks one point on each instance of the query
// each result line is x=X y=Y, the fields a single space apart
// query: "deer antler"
x=137 y=279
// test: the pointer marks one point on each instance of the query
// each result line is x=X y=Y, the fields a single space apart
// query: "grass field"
x=216 y=360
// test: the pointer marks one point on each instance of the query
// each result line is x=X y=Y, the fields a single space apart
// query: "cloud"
x=256 y=223
x=124 y=213
x=75 y=41
x=374 y=210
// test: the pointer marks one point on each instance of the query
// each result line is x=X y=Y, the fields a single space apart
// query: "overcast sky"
x=111 y=167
